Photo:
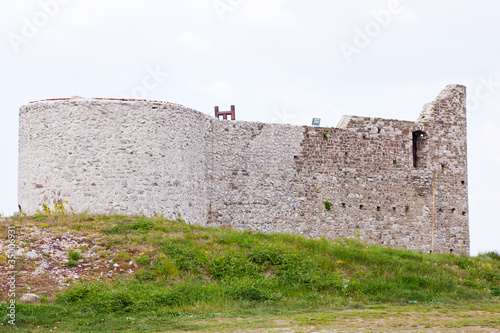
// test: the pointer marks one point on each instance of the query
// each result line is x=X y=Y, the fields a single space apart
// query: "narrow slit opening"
x=418 y=138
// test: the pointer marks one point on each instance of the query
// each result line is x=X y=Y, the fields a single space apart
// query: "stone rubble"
x=43 y=257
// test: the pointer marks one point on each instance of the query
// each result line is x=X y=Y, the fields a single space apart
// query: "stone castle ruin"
x=384 y=181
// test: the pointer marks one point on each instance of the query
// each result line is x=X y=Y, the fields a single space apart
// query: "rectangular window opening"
x=418 y=141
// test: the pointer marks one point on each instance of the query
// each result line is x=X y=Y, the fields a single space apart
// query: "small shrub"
x=186 y=255
x=187 y=293
x=143 y=260
x=244 y=239
x=252 y=291
x=71 y=263
x=229 y=268
x=163 y=267
x=267 y=256
x=112 y=301
x=88 y=218
x=72 y=255
x=124 y=255
x=328 y=205
x=76 y=293
x=142 y=225
x=144 y=275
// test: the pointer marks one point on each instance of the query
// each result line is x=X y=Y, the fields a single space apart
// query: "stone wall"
x=139 y=157
x=114 y=157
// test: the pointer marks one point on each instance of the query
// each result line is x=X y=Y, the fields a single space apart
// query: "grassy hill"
x=113 y=273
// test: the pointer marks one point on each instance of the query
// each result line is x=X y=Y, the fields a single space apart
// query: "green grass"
x=188 y=271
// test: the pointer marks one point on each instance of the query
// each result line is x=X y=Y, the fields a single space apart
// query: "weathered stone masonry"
x=398 y=183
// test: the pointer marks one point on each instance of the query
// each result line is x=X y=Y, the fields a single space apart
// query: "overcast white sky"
x=276 y=60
